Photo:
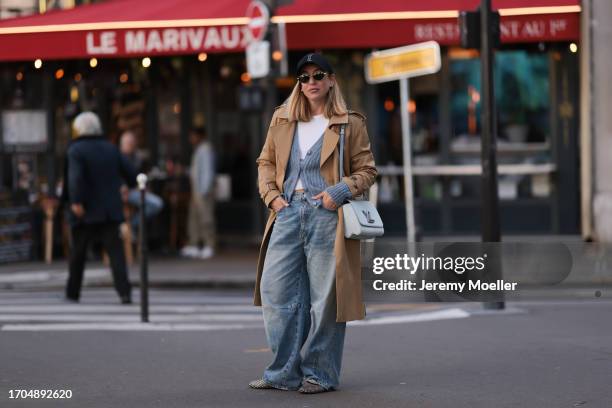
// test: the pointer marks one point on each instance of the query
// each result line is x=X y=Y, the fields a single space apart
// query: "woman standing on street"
x=309 y=275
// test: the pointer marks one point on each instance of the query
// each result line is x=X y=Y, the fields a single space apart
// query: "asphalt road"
x=537 y=355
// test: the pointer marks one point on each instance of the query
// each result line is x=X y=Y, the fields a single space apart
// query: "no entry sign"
x=259 y=17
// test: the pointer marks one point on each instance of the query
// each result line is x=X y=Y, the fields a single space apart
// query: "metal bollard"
x=142 y=240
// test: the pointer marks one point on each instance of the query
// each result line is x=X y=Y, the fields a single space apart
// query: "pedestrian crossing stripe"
x=123 y=309
x=110 y=318
x=171 y=311
x=126 y=327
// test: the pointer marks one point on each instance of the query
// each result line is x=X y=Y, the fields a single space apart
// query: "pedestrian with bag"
x=308 y=274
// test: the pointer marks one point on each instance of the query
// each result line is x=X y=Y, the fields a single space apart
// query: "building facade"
x=160 y=79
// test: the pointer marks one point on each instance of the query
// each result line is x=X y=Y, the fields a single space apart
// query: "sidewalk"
x=235 y=268
x=227 y=269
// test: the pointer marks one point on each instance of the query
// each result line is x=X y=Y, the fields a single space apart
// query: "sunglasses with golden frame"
x=305 y=78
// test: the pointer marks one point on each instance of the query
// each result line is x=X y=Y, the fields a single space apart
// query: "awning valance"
x=131 y=28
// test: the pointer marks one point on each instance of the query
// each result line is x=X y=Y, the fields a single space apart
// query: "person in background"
x=153 y=203
x=128 y=146
x=201 y=222
x=93 y=174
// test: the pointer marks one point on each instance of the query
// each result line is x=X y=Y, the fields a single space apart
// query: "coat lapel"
x=283 y=134
x=284 y=141
x=332 y=136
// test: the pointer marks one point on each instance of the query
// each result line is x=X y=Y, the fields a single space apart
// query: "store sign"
x=165 y=41
x=131 y=42
x=403 y=62
x=513 y=29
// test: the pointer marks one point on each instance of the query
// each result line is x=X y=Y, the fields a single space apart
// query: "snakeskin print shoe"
x=260 y=384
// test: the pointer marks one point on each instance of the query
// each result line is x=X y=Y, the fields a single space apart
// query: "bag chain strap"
x=363 y=196
x=341 y=152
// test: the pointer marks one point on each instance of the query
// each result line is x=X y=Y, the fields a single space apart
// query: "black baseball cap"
x=315 y=59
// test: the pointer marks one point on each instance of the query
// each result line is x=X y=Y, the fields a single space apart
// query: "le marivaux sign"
x=167 y=40
x=152 y=41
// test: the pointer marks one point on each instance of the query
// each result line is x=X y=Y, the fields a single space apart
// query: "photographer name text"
x=406 y=285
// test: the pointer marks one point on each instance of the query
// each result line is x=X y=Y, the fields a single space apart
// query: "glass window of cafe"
x=203 y=91
x=445 y=116
x=25 y=94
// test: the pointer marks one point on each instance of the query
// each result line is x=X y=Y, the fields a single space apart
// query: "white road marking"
x=43 y=276
x=414 y=317
x=122 y=309
x=112 y=299
x=159 y=325
x=170 y=311
x=133 y=318
x=25 y=277
x=126 y=327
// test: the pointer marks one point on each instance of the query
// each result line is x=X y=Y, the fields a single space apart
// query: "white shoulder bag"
x=361 y=220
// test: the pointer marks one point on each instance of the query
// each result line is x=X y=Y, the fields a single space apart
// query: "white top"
x=308 y=134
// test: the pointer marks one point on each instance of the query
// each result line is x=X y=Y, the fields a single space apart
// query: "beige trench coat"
x=358 y=164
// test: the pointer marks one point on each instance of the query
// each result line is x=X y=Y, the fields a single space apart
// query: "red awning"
x=130 y=28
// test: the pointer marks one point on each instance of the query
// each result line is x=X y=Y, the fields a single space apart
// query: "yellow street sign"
x=403 y=62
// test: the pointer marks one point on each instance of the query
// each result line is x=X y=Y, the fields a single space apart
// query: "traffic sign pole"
x=406 y=144
x=282 y=43
x=490 y=200
x=400 y=64
x=258 y=50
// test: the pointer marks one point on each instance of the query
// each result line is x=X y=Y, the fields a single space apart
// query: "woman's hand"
x=328 y=202
x=278 y=204
x=78 y=210
x=125 y=193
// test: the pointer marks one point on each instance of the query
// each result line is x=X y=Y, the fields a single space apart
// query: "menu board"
x=15 y=227
x=24 y=129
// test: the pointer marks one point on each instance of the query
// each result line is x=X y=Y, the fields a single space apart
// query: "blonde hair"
x=299 y=108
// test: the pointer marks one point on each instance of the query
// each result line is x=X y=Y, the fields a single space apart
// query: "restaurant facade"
x=158 y=69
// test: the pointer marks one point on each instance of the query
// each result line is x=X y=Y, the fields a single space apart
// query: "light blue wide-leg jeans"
x=299 y=298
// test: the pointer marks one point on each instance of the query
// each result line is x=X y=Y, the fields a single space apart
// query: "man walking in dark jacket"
x=92 y=179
